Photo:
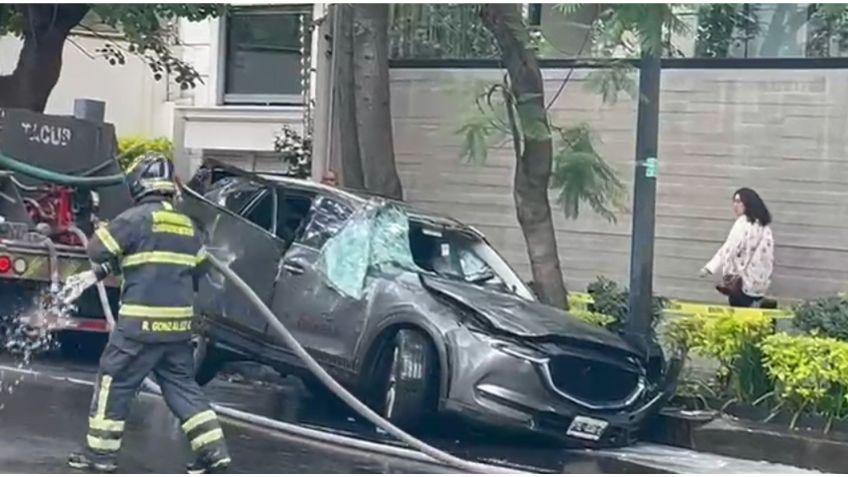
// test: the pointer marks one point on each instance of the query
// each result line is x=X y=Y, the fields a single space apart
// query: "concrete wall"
x=781 y=132
x=135 y=103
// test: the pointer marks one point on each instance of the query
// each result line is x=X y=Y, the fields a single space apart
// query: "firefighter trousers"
x=123 y=366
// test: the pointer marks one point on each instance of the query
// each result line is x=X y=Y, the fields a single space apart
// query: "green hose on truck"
x=46 y=175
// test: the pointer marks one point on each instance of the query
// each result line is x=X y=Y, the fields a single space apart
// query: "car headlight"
x=513 y=349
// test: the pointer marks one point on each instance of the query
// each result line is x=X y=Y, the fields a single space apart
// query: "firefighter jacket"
x=157 y=250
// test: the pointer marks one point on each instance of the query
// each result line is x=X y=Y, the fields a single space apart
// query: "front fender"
x=368 y=346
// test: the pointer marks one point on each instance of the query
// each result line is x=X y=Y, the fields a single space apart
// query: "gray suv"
x=412 y=311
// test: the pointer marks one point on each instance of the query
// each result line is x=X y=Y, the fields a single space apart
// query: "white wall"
x=135 y=102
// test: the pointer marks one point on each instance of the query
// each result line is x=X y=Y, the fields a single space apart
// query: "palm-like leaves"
x=582 y=176
x=622 y=24
x=579 y=174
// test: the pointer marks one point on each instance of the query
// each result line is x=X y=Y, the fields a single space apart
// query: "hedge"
x=810 y=373
x=131 y=147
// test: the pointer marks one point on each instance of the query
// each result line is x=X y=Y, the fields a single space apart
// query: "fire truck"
x=59 y=176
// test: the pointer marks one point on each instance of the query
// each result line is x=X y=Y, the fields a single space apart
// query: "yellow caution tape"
x=581 y=301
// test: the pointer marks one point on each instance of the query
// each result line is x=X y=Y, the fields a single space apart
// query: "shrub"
x=611 y=300
x=131 y=147
x=823 y=316
x=591 y=317
x=733 y=341
x=295 y=151
x=810 y=373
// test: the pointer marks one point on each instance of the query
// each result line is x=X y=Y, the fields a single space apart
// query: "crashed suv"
x=412 y=311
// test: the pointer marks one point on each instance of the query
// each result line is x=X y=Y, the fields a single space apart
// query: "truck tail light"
x=5 y=264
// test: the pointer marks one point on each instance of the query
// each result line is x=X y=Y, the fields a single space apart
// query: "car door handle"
x=294 y=268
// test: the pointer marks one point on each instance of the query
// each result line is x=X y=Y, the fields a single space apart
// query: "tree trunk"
x=345 y=147
x=373 y=109
x=45 y=28
x=533 y=167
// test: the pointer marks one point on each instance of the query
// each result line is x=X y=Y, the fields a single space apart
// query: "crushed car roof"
x=361 y=197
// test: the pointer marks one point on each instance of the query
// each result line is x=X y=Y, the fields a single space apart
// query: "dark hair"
x=755 y=208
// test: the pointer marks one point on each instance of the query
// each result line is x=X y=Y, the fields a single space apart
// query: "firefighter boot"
x=214 y=461
x=92 y=462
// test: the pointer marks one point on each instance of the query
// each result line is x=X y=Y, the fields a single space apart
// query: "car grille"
x=593 y=381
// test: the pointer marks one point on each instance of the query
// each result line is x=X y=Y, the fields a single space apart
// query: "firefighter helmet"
x=151 y=174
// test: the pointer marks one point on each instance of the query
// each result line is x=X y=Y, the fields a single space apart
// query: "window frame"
x=320 y=197
x=282 y=192
x=257 y=99
x=255 y=202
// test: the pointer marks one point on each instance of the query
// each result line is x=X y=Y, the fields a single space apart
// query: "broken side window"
x=375 y=238
x=233 y=193
x=261 y=212
x=327 y=217
x=292 y=211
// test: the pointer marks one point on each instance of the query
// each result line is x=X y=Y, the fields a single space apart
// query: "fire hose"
x=322 y=375
x=328 y=381
x=101 y=289
x=15 y=165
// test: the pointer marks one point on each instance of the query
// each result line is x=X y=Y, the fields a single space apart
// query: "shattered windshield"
x=383 y=237
x=374 y=238
x=456 y=255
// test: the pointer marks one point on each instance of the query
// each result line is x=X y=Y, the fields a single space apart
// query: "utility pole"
x=320 y=90
x=644 y=199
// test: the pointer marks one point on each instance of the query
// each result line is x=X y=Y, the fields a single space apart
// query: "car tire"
x=408 y=398
x=207 y=362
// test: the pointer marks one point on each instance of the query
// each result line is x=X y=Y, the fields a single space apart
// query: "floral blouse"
x=749 y=253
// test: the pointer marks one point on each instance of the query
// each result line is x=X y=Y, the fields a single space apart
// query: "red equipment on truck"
x=59 y=176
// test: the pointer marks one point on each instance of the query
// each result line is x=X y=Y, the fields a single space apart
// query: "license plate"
x=587 y=428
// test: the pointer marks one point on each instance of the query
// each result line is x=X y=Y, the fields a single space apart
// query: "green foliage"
x=131 y=147
x=634 y=27
x=616 y=78
x=828 y=21
x=581 y=175
x=439 y=30
x=149 y=32
x=295 y=151
x=593 y=318
x=823 y=316
x=732 y=340
x=608 y=298
x=720 y=25
x=475 y=139
x=810 y=373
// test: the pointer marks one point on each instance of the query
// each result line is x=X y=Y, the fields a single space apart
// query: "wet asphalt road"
x=48 y=412
x=44 y=419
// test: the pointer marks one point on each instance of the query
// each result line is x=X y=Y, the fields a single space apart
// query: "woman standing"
x=747 y=257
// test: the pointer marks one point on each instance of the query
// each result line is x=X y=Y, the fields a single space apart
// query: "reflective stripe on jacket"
x=157 y=250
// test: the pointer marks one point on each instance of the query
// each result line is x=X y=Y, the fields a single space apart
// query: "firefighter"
x=158 y=252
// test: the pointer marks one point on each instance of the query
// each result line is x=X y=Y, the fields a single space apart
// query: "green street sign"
x=651 y=167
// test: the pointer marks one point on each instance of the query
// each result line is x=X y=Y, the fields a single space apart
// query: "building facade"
x=764 y=106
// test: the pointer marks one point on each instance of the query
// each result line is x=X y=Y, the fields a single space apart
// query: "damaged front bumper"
x=497 y=386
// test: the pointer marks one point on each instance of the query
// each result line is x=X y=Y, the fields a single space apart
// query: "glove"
x=76 y=285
